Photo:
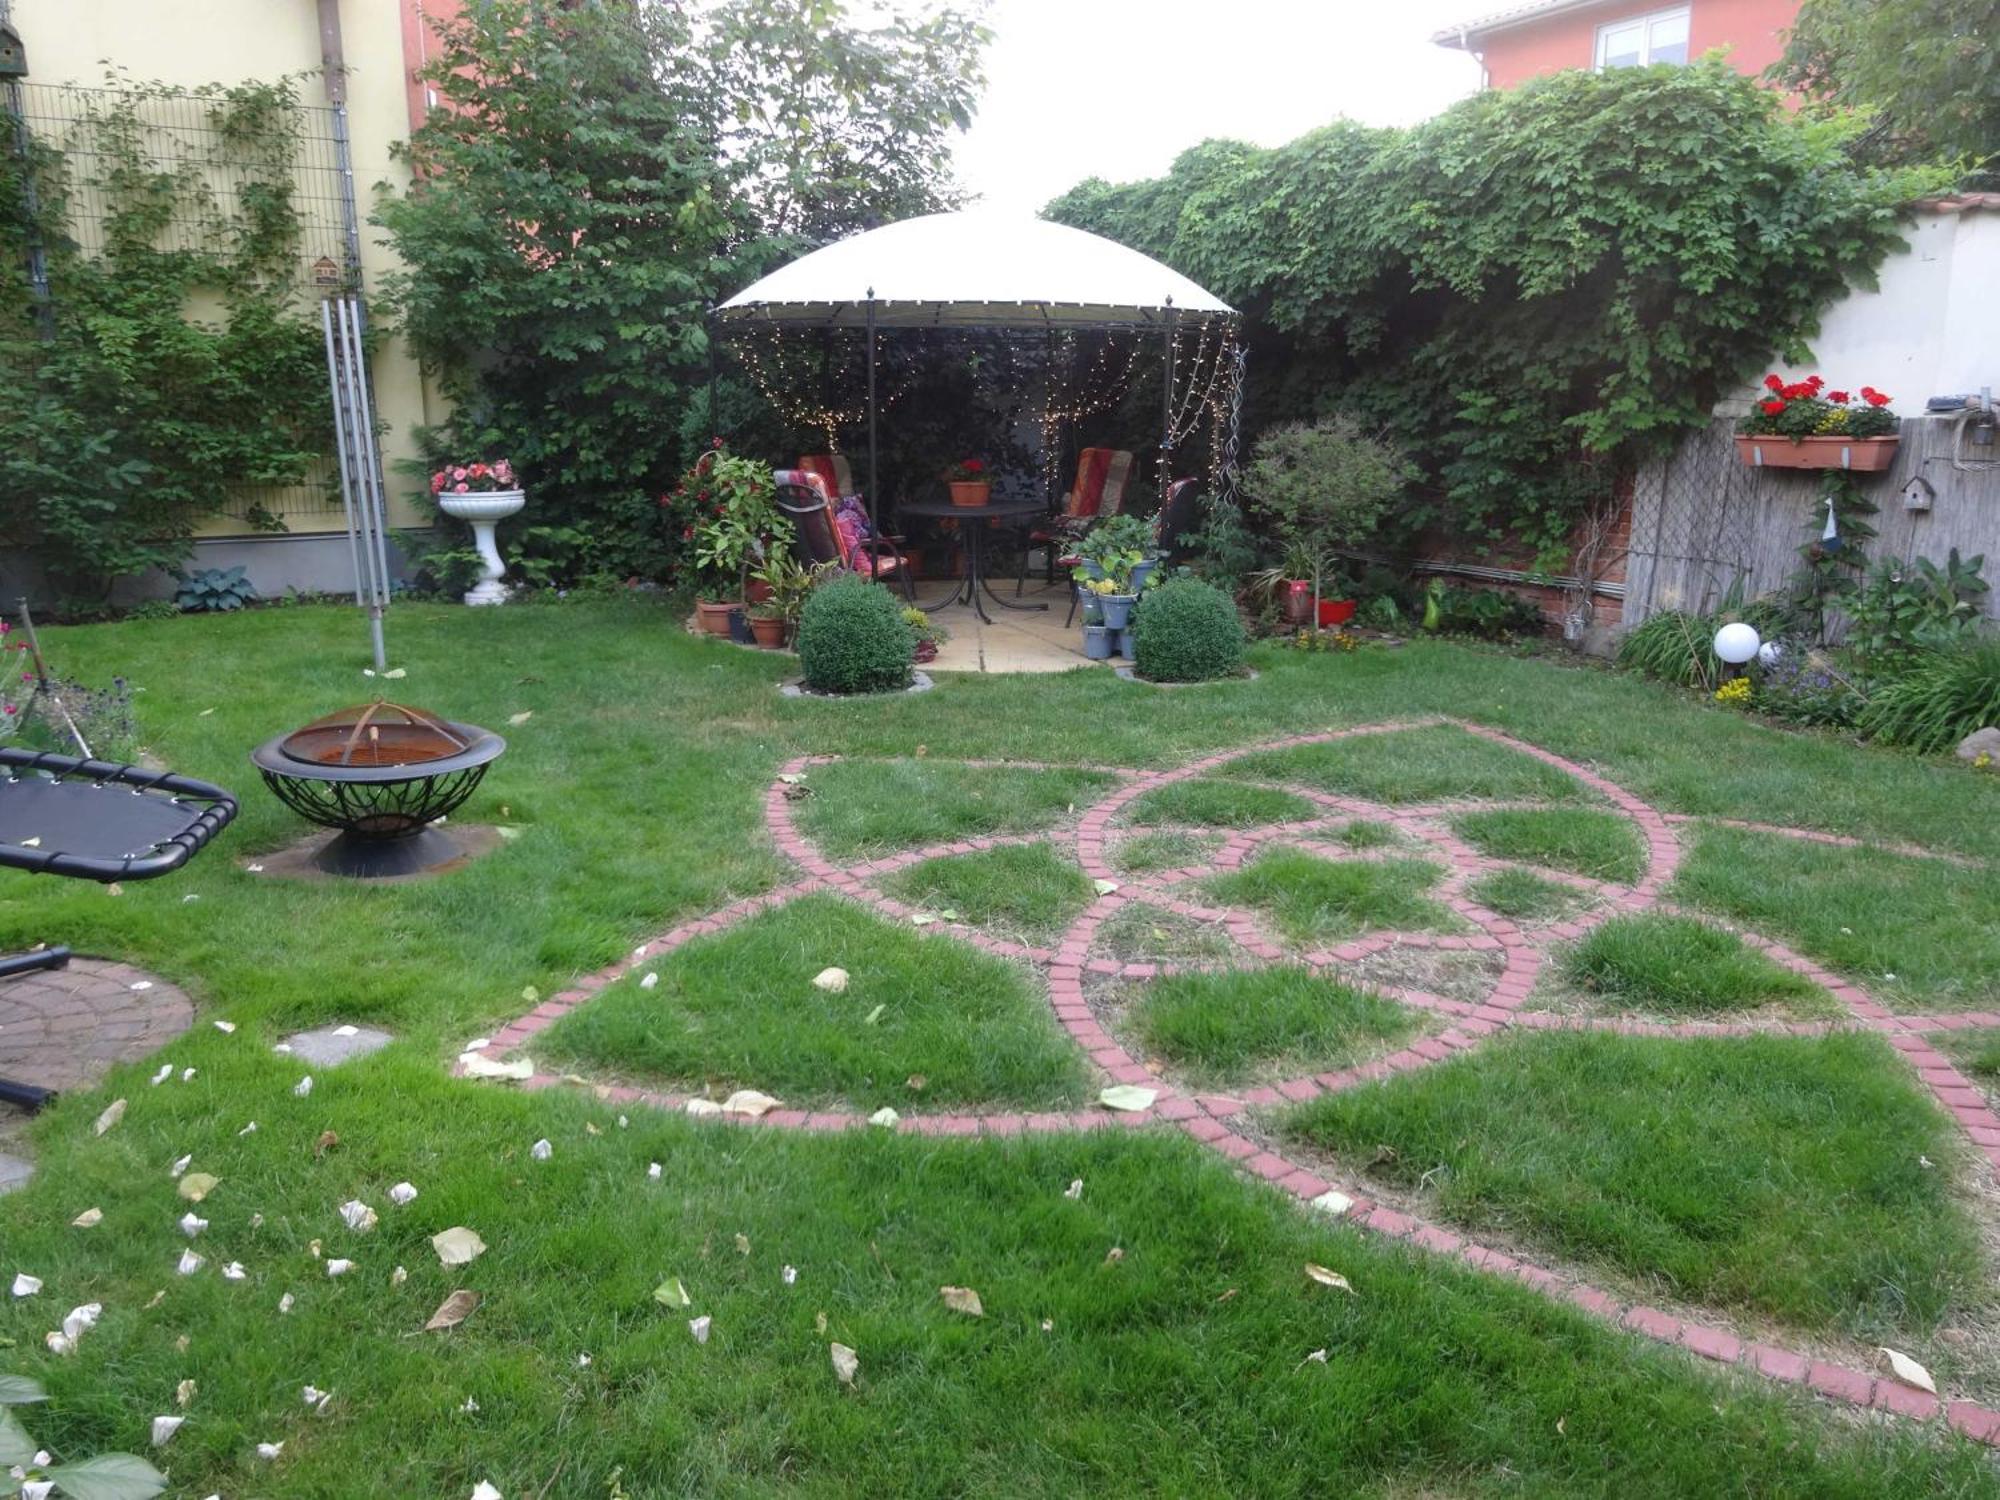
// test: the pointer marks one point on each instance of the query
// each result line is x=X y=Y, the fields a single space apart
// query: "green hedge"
x=853 y=639
x=1186 y=630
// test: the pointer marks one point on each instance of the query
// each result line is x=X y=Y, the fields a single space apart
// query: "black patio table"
x=973 y=534
x=96 y=820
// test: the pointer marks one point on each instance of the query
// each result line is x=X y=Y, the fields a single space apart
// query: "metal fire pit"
x=382 y=774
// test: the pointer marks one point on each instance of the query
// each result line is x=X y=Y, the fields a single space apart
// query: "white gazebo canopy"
x=975 y=269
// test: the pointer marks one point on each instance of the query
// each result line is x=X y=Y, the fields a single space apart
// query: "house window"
x=1661 y=37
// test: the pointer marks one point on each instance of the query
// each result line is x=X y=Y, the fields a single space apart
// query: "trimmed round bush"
x=1185 y=630
x=853 y=639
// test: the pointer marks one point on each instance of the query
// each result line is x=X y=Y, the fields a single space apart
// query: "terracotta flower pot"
x=714 y=614
x=1866 y=455
x=970 y=491
x=769 y=630
x=1298 y=601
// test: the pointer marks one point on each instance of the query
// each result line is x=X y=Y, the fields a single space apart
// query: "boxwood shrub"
x=853 y=638
x=1185 y=630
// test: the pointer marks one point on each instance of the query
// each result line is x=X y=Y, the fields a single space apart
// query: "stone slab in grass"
x=1316 y=900
x=14 y=1171
x=1434 y=764
x=862 y=807
x=1247 y=1025
x=1775 y=1174
x=330 y=1046
x=739 y=1010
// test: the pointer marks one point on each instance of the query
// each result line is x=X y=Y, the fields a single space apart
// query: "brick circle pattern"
x=1214 y=1118
x=65 y=1028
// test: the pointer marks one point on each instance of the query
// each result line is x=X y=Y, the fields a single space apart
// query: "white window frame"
x=1685 y=12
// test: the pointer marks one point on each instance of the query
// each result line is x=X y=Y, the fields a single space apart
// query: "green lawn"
x=1229 y=1028
x=739 y=1010
x=637 y=786
x=1525 y=897
x=1144 y=853
x=1601 y=845
x=1434 y=764
x=1778 y=1175
x=1681 y=966
x=1205 y=803
x=1142 y=933
x=1313 y=900
x=1025 y=891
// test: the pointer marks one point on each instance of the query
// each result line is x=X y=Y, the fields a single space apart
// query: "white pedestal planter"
x=485 y=512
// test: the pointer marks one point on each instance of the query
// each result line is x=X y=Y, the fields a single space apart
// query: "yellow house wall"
x=192 y=42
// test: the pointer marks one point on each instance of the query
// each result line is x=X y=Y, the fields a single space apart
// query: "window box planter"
x=1865 y=455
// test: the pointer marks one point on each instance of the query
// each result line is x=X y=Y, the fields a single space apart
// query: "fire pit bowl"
x=382 y=774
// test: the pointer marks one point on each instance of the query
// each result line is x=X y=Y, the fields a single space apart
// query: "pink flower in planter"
x=460 y=489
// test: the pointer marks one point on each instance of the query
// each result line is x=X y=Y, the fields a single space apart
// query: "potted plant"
x=484 y=495
x=1325 y=486
x=1802 y=425
x=738 y=525
x=1109 y=558
x=786 y=583
x=1098 y=641
x=927 y=635
x=969 y=482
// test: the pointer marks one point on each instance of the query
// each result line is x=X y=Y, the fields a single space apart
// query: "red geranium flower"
x=1876 y=398
x=1772 y=382
x=1838 y=398
x=1771 y=408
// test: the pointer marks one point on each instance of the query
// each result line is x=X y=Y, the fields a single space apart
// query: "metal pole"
x=873 y=473
x=374 y=501
x=336 y=384
x=714 y=354
x=1167 y=409
x=38 y=260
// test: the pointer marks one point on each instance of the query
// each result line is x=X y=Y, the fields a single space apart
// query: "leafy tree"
x=1536 y=279
x=1927 y=71
x=595 y=180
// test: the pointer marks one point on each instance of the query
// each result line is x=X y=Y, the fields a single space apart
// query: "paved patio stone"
x=326 y=1048
x=14 y=1172
x=65 y=1028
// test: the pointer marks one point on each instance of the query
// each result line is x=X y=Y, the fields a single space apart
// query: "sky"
x=1118 y=88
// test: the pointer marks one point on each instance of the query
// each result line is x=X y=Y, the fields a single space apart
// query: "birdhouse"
x=13 y=55
x=1918 y=494
x=326 y=272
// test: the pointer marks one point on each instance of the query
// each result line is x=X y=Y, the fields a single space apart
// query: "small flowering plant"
x=727 y=509
x=968 y=471
x=1806 y=408
x=17 y=681
x=474 y=479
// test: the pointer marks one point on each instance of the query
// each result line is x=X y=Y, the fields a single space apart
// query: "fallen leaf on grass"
x=457 y=1245
x=164 y=1428
x=90 y=1218
x=699 y=1328
x=670 y=1293
x=792 y=778
x=113 y=1113
x=1330 y=1278
x=453 y=1311
x=916 y=1083
x=962 y=1299
x=184 y=1392
x=1074 y=1191
x=819 y=1324
x=1909 y=1371
x=833 y=981
x=326 y=1142
x=198 y=1185
x=846 y=1363
x=402 y=1193
x=1115 y=1254
x=922 y=919
x=874 y=1015
x=517 y=720
x=357 y=1216
x=748 y=1102
x=479 y=1065
x=885 y=1117
x=742 y=1244
x=1104 y=887
x=703 y=1107
x=1128 y=1096
x=26 y=1285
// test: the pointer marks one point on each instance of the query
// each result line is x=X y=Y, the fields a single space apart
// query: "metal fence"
x=183 y=138
x=1702 y=518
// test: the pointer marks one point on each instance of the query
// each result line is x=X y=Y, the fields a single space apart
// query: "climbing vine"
x=171 y=362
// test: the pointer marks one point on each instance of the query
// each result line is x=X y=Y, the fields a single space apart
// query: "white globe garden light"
x=1736 y=643
x=1770 y=654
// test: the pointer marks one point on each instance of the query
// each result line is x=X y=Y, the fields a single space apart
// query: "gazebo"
x=982 y=269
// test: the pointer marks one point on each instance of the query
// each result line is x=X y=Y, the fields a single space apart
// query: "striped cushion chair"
x=825 y=532
x=1101 y=476
x=835 y=472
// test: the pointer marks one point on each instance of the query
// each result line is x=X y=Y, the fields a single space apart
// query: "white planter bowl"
x=484 y=512
x=495 y=505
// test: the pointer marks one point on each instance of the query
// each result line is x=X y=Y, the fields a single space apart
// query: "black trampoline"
x=96 y=820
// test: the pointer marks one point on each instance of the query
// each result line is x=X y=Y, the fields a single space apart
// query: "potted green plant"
x=738 y=525
x=1802 y=425
x=1108 y=559
x=1325 y=486
x=786 y=584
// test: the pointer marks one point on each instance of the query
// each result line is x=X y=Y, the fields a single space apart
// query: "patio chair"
x=822 y=533
x=834 y=471
x=1099 y=490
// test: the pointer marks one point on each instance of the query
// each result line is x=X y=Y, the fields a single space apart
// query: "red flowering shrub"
x=1805 y=408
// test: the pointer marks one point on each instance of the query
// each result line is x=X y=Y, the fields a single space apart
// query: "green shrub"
x=1941 y=700
x=1672 y=646
x=853 y=639
x=1186 y=631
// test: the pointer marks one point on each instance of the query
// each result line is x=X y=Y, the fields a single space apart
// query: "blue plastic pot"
x=1093 y=606
x=1125 y=645
x=1142 y=572
x=1097 y=641
x=1118 y=609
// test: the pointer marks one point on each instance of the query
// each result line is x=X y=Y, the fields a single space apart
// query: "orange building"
x=1525 y=41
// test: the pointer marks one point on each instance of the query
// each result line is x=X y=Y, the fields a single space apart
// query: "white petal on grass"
x=26 y=1285
x=180 y=1165
x=164 y=1428
x=357 y=1215
x=286 y=1303
x=398 y=1276
x=699 y=1328
x=457 y=1245
x=1075 y=1190
x=78 y=1319
x=623 y=1122
x=250 y=1129
x=541 y=1150
x=269 y=1450
x=90 y=1218
x=234 y=1271
x=833 y=981
x=703 y=1107
x=113 y=1113
x=1330 y=1278
x=479 y=1065
x=485 y=1491
x=962 y=1299
x=166 y=1072
x=517 y=720
x=846 y=1363
x=315 y=1398
x=649 y=981
x=189 y=1263
x=583 y=1361
x=225 y=1027
x=885 y=1117
x=339 y=1266
x=184 y=1393
x=873 y=1016
x=789 y=1275
x=192 y=1225
x=402 y=1193
x=304 y=1086
x=477 y=1044
x=1128 y=1096
x=395 y=672
x=1332 y=1202
x=653 y=1171
x=748 y=1102
x=1908 y=1371
x=187 y=1075
x=470 y=1405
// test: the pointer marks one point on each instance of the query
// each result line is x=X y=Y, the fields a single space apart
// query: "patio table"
x=973 y=534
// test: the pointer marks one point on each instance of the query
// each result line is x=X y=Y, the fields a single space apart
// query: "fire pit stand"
x=382 y=774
